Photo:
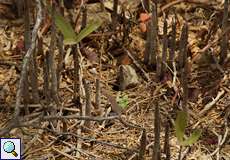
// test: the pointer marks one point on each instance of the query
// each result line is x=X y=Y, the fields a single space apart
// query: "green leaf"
x=69 y=34
x=92 y=26
x=65 y=28
x=122 y=100
x=180 y=125
x=192 y=139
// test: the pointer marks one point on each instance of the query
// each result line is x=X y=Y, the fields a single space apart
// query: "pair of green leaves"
x=180 y=125
x=70 y=37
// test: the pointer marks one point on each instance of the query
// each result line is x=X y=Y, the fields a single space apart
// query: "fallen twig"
x=92 y=140
x=26 y=61
x=168 y=5
x=86 y=118
x=211 y=104
x=221 y=141
x=64 y=154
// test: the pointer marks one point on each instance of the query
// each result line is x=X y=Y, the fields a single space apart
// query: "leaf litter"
x=140 y=107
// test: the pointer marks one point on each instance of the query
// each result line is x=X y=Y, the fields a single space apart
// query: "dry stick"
x=221 y=141
x=19 y=8
x=145 y=4
x=98 y=94
x=209 y=45
x=58 y=74
x=98 y=82
x=88 y=118
x=183 y=45
x=114 y=14
x=184 y=154
x=64 y=154
x=60 y=59
x=126 y=27
x=95 y=140
x=26 y=93
x=98 y=119
x=132 y=156
x=33 y=69
x=78 y=16
x=183 y=65
x=52 y=59
x=216 y=62
x=168 y=5
x=148 y=44
x=76 y=86
x=29 y=145
x=142 y=146
x=27 y=37
x=211 y=104
x=180 y=152
x=24 y=72
x=166 y=143
x=7 y=129
x=165 y=46
x=52 y=66
x=88 y=101
x=224 y=39
x=46 y=70
x=84 y=17
x=85 y=118
x=26 y=59
x=33 y=66
x=25 y=155
x=73 y=148
x=34 y=78
x=173 y=43
x=151 y=42
x=144 y=74
x=80 y=90
x=153 y=57
x=27 y=33
x=174 y=78
x=156 y=148
x=9 y=63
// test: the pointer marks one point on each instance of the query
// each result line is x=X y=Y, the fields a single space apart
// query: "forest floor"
x=208 y=85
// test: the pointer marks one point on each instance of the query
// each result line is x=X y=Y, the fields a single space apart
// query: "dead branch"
x=26 y=59
x=169 y=5
x=224 y=39
x=142 y=145
x=172 y=43
x=166 y=140
x=211 y=104
x=94 y=140
x=221 y=141
x=85 y=118
x=63 y=153
x=88 y=101
x=183 y=64
x=156 y=148
x=152 y=39
x=165 y=47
